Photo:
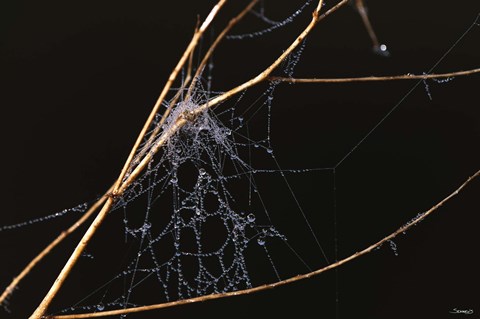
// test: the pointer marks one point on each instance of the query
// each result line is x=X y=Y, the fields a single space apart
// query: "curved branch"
x=337 y=264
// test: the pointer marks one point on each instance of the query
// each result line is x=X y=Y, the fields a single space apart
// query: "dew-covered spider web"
x=214 y=210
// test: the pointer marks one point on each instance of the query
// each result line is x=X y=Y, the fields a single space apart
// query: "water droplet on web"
x=251 y=218
x=382 y=50
x=174 y=180
x=201 y=171
x=100 y=307
x=147 y=226
x=261 y=241
x=393 y=246
x=269 y=151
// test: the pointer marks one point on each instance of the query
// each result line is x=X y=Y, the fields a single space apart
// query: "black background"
x=79 y=78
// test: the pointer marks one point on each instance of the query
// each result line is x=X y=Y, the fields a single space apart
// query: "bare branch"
x=194 y=79
x=41 y=309
x=376 y=78
x=337 y=264
x=362 y=11
x=217 y=41
x=9 y=290
x=266 y=73
x=166 y=88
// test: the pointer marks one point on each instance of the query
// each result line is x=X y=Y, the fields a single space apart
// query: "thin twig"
x=316 y=17
x=158 y=127
x=217 y=41
x=121 y=186
x=64 y=234
x=193 y=43
x=194 y=79
x=362 y=11
x=376 y=78
x=181 y=121
x=337 y=264
x=41 y=309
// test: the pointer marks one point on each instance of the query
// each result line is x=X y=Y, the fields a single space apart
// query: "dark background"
x=78 y=80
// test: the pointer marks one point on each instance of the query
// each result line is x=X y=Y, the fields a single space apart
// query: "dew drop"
x=382 y=50
x=261 y=241
x=201 y=171
x=100 y=307
x=147 y=226
x=251 y=218
x=393 y=246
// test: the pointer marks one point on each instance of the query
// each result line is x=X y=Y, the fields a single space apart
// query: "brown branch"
x=194 y=79
x=337 y=264
x=376 y=78
x=41 y=309
x=192 y=45
x=266 y=73
x=217 y=41
x=181 y=121
x=153 y=135
x=9 y=290
x=121 y=185
x=362 y=11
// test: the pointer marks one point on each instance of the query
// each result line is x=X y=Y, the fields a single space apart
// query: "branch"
x=41 y=309
x=376 y=78
x=193 y=43
x=362 y=11
x=266 y=73
x=217 y=41
x=337 y=264
x=9 y=290
x=194 y=79
x=181 y=120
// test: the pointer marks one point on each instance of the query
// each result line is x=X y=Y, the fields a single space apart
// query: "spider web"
x=197 y=220
x=204 y=244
